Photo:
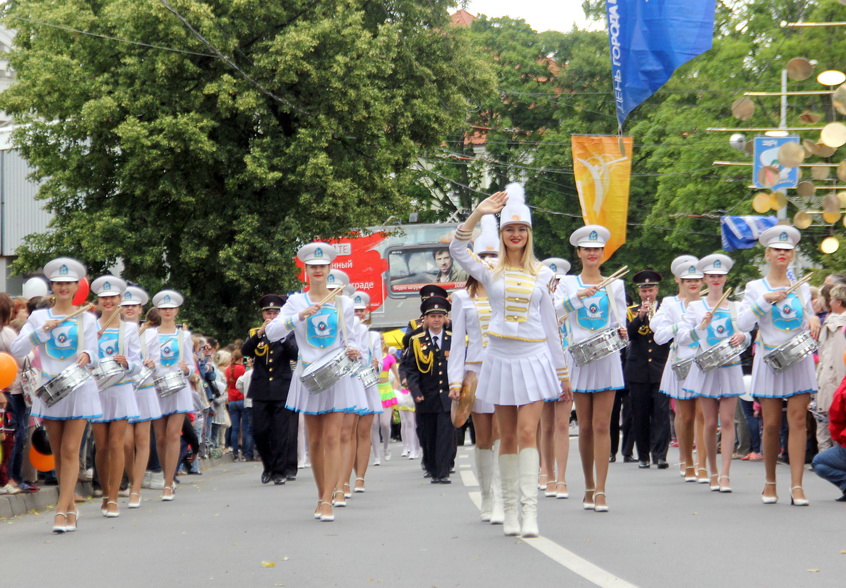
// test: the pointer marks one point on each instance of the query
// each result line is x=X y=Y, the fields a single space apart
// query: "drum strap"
x=612 y=302
x=80 y=340
x=143 y=338
x=341 y=318
x=121 y=337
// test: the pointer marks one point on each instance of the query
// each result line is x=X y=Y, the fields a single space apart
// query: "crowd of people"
x=521 y=351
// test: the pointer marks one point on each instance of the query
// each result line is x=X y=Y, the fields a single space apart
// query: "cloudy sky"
x=542 y=15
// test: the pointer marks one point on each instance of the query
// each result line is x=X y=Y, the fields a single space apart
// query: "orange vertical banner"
x=603 y=175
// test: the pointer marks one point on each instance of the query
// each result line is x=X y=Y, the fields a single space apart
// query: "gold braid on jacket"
x=425 y=359
x=261 y=348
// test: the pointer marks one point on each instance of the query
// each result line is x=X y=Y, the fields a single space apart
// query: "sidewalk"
x=15 y=505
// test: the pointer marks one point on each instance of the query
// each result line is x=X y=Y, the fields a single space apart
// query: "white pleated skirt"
x=800 y=378
x=515 y=373
x=82 y=403
x=345 y=396
x=721 y=382
x=178 y=402
x=373 y=401
x=598 y=376
x=148 y=404
x=671 y=386
x=118 y=404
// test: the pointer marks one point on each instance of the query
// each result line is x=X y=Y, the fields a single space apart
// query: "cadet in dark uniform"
x=274 y=426
x=426 y=371
x=644 y=368
x=415 y=326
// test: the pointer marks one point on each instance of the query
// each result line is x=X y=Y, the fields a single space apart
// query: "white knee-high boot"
x=529 y=462
x=510 y=476
x=497 y=514
x=484 y=467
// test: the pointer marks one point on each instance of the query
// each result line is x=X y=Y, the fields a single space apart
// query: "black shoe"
x=628 y=459
x=427 y=475
x=290 y=477
x=662 y=464
x=842 y=498
x=446 y=481
x=435 y=481
x=612 y=459
x=451 y=470
x=278 y=480
x=265 y=477
x=643 y=465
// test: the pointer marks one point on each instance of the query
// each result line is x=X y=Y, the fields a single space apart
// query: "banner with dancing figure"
x=603 y=174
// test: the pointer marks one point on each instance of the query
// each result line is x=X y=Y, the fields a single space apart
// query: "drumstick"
x=722 y=299
x=618 y=274
x=75 y=314
x=144 y=328
x=804 y=279
x=704 y=292
x=330 y=296
x=108 y=322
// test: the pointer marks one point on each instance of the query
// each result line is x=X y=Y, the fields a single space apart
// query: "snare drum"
x=603 y=344
x=681 y=368
x=142 y=377
x=327 y=371
x=170 y=383
x=719 y=355
x=108 y=373
x=70 y=378
x=788 y=354
x=368 y=376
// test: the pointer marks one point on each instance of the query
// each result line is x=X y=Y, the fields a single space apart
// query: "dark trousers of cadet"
x=437 y=438
x=275 y=434
x=622 y=403
x=650 y=420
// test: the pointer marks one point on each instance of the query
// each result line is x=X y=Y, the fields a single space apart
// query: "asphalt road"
x=225 y=528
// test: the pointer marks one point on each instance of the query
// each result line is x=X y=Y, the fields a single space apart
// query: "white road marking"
x=465 y=466
x=560 y=555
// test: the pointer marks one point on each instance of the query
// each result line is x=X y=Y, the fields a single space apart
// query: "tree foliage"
x=236 y=131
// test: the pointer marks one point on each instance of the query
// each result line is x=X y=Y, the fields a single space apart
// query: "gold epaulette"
x=448 y=333
x=631 y=311
x=254 y=331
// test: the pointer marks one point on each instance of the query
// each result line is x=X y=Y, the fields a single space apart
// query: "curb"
x=16 y=505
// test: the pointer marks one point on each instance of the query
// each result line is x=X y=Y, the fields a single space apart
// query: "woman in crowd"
x=831 y=368
x=717 y=389
x=239 y=433
x=322 y=325
x=524 y=363
x=63 y=343
x=471 y=316
x=137 y=441
x=118 y=343
x=780 y=317
x=13 y=401
x=666 y=324
x=591 y=310
x=175 y=401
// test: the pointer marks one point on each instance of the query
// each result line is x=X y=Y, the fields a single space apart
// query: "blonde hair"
x=838 y=292
x=528 y=261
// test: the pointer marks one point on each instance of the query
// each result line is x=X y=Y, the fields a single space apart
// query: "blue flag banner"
x=649 y=40
x=742 y=232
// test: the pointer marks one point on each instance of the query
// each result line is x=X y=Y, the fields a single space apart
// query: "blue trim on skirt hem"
x=177 y=412
x=809 y=391
x=70 y=418
x=599 y=390
x=126 y=418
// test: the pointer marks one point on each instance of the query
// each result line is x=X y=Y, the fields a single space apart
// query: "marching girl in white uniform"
x=320 y=330
x=555 y=421
x=62 y=344
x=118 y=341
x=137 y=440
x=716 y=389
x=665 y=325
x=523 y=363
x=175 y=355
x=780 y=317
x=594 y=385
x=471 y=317
x=371 y=345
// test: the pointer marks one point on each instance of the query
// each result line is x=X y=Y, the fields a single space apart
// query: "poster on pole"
x=766 y=154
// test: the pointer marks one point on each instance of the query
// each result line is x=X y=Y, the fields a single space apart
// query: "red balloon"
x=41 y=462
x=81 y=294
x=8 y=370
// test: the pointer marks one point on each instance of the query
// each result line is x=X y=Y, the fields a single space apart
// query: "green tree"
x=238 y=130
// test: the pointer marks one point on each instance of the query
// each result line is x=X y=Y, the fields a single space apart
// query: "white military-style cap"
x=559 y=266
x=64 y=269
x=683 y=259
x=780 y=237
x=687 y=270
x=134 y=295
x=361 y=300
x=488 y=240
x=317 y=254
x=108 y=286
x=515 y=211
x=590 y=236
x=337 y=279
x=168 y=299
x=715 y=264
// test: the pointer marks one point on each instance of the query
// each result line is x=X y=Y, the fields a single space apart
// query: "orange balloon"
x=8 y=370
x=41 y=462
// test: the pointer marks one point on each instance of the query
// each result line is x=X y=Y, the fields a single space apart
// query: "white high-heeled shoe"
x=769 y=499
x=60 y=528
x=599 y=507
x=798 y=501
x=592 y=504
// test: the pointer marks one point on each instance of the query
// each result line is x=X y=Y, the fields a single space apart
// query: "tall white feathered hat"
x=488 y=239
x=515 y=212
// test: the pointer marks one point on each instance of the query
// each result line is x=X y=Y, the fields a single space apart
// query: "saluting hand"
x=493 y=203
